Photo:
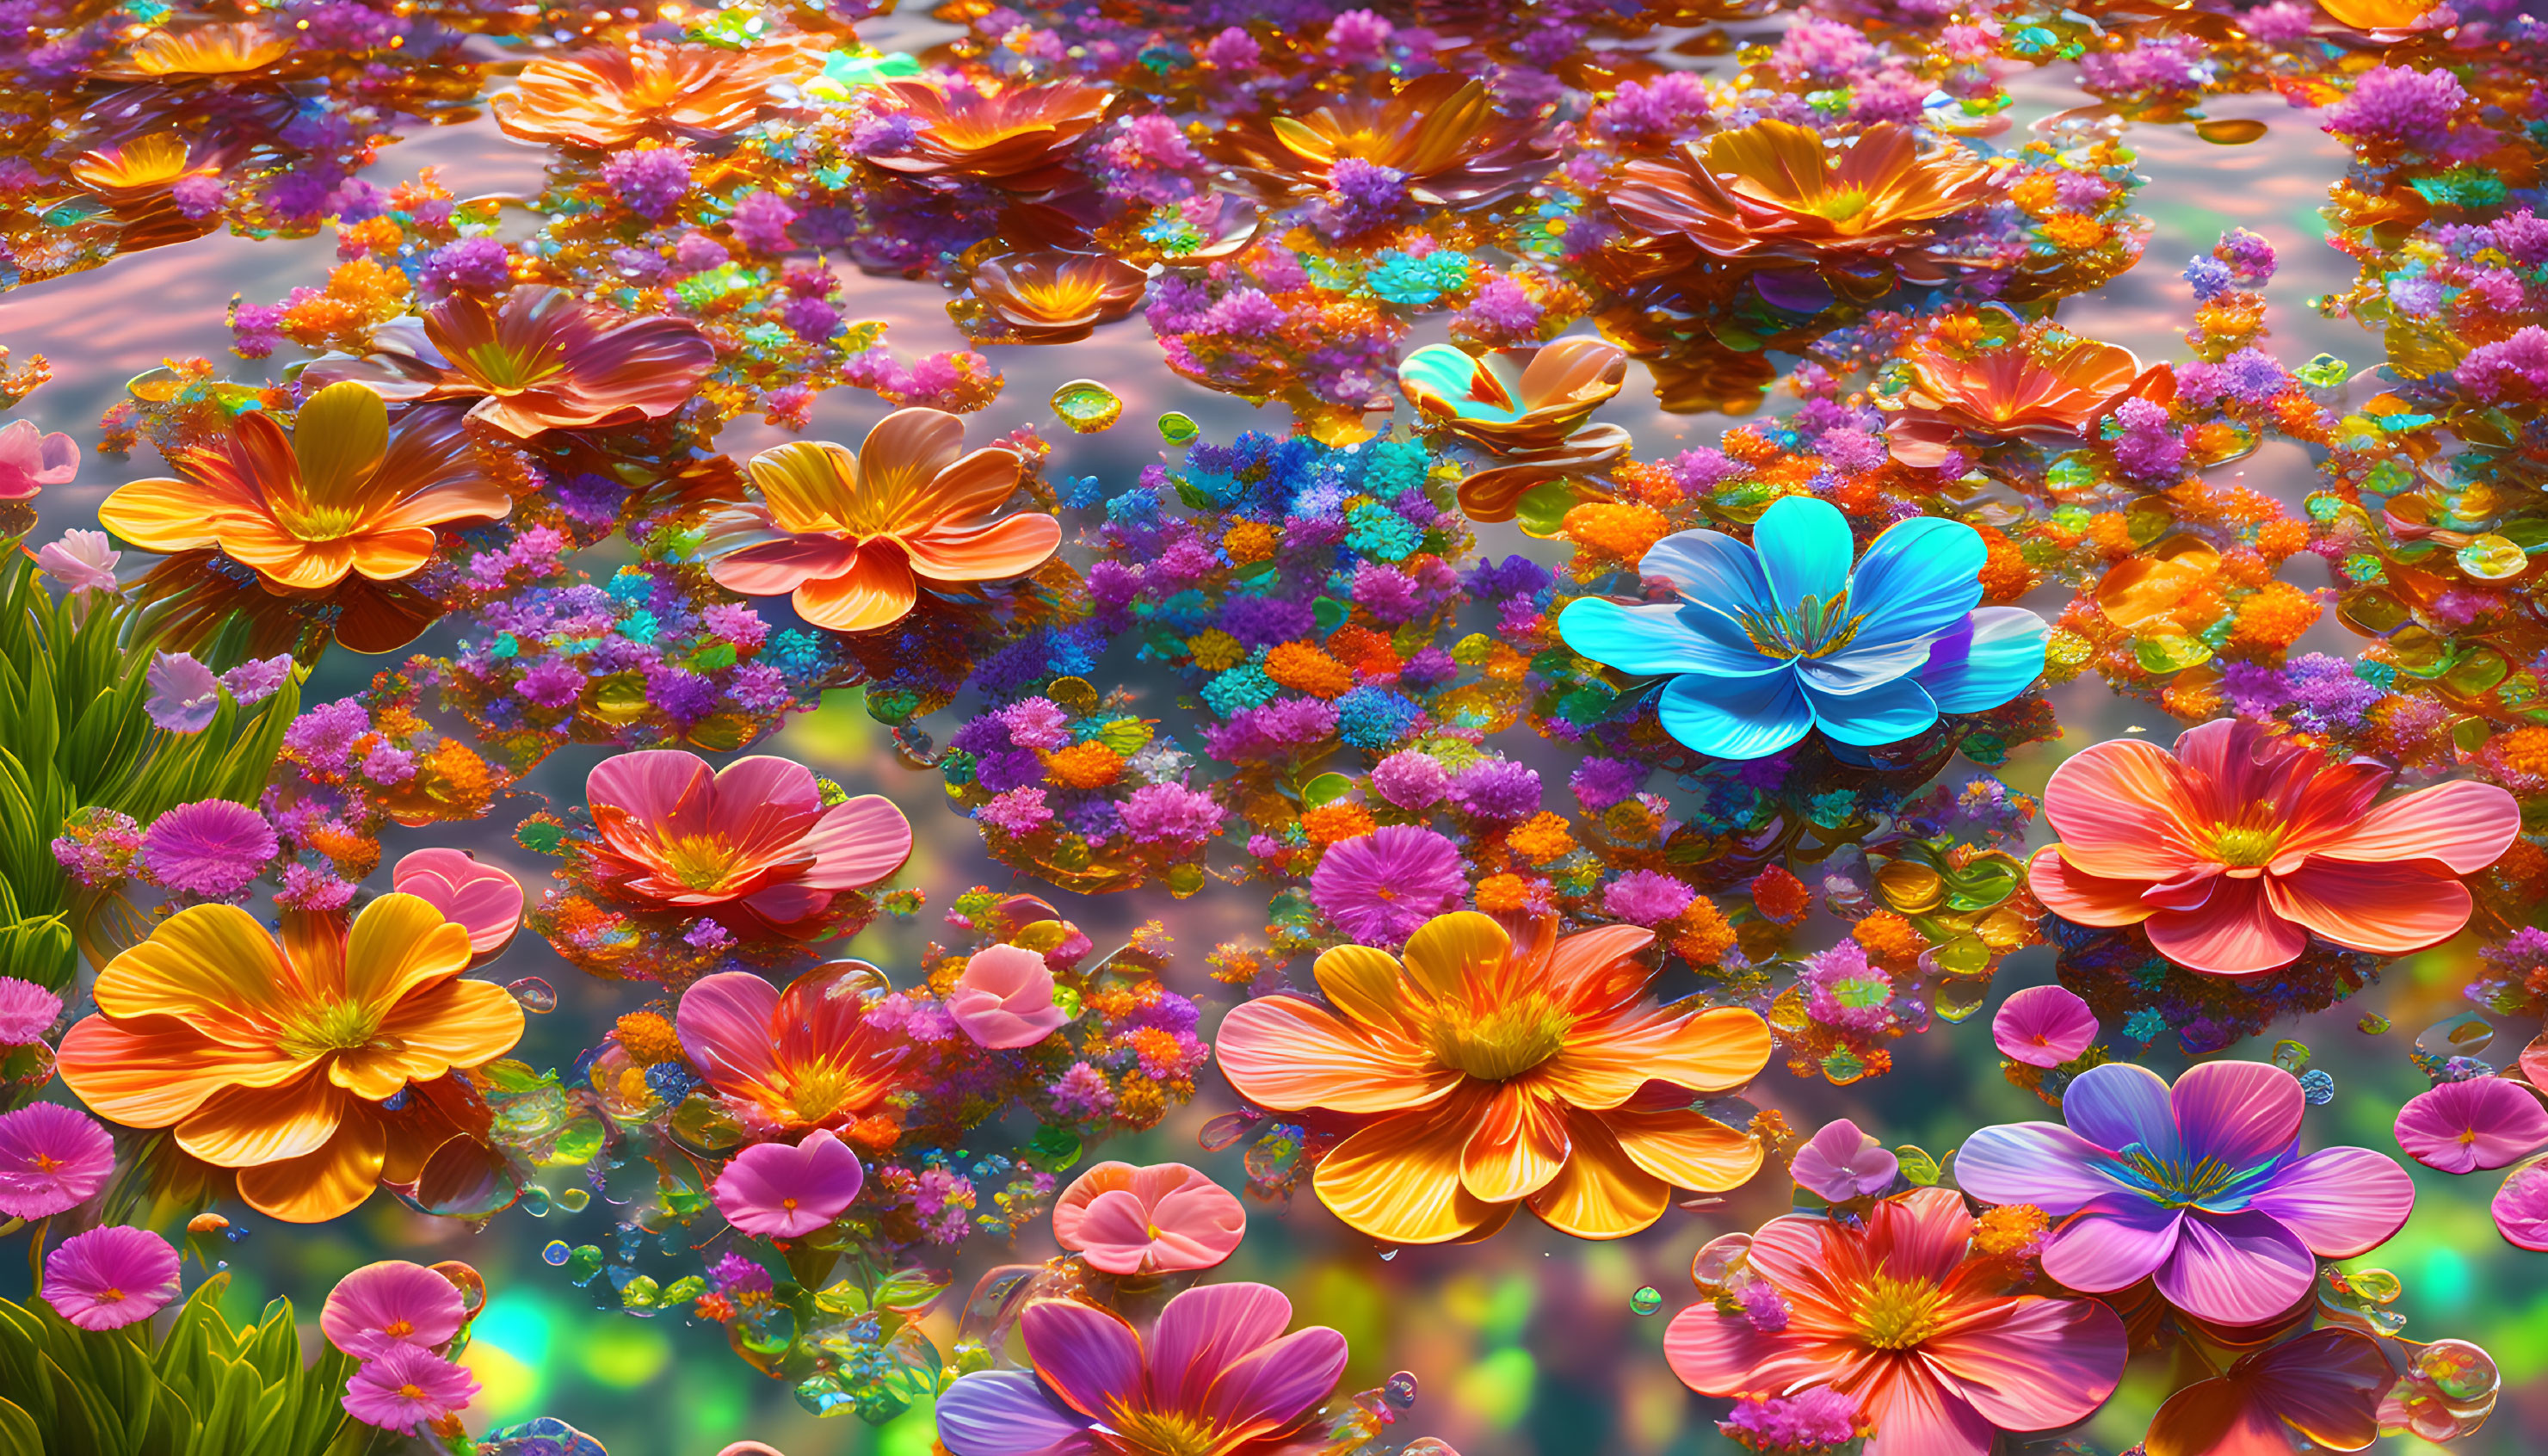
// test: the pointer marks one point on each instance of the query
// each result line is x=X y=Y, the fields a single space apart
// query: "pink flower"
x=2043 y=1026
x=1840 y=1163
x=1004 y=998
x=388 y=1305
x=111 y=1277
x=784 y=1192
x=2521 y=1207
x=1160 y=1220
x=82 y=560
x=31 y=459
x=183 y=693
x=408 y=1387
x=212 y=849
x=2482 y=1123
x=52 y=1158
x=480 y=898
x=27 y=1012
x=1378 y=888
x=1216 y=1374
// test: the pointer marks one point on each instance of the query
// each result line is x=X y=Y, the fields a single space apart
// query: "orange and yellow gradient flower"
x=1495 y=1067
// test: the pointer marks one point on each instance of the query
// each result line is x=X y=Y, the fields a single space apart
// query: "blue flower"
x=1774 y=640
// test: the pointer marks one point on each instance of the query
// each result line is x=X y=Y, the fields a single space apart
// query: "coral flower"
x=1441 y=132
x=1165 y=1219
x=111 y=1277
x=2202 y=1187
x=1489 y=1071
x=409 y=1388
x=1053 y=297
x=793 y=1060
x=1773 y=640
x=52 y=1158
x=1901 y=1314
x=782 y=1192
x=31 y=459
x=273 y=1060
x=343 y=494
x=1018 y=137
x=2482 y=1123
x=2043 y=1026
x=2011 y=392
x=544 y=360
x=852 y=538
x=2232 y=849
x=753 y=841
x=480 y=898
x=2320 y=1391
x=1004 y=999
x=393 y=1303
x=607 y=97
x=1216 y=1377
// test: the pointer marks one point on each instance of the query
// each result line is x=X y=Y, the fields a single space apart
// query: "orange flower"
x=1441 y=131
x=854 y=538
x=341 y=494
x=606 y=98
x=1052 y=297
x=1488 y=1072
x=2014 y=392
x=1526 y=407
x=789 y=1061
x=1016 y=139
x=199 y=52
x=274 y=1059
x=544 y=360
x=145 y=164
x=2381 y=20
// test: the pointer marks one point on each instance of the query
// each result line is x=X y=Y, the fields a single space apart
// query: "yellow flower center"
x=1160 y=1434
x=1840 y=206
x=2244 y=845
x=1897 y=1314
x=337 y=1026
x=1817 y=626
x=110 y=1296
x=505 y=372
x=398 y=1329
x=411 y=1392
x=1498 y=1044
x=45 y=1162
x=817 y=1092
x=701 y=863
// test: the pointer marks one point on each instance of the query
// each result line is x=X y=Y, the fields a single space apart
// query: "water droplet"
x=556 y=1255
x=536 y=995
x=573 y=1200
x=1177 y=430
x=2372 y=1023
x=2377 y=1285
x=1647 y=1300
x=2291 y=1056
x=1400 y=1390
x=1388 y=1255
x=1087 y=407
x=535 y=1201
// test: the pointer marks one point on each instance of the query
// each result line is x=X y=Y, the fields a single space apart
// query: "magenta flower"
x=27 y=1012
x=2043 y=1026
x=1165 y=1219
x=384 y=1306
x=784 y=1192
x=31 y=459
x=1840 y=1163
x=2521 y=1207
x=82 y=560
x=1380 y=887
x=52 y=1158
x=2202 y=1187
x=213 y=847
x=1218 y=1374
x=2482 y=1123
x=408 y=1387
x=111 y=1277
x=480 y=898
x=1004 y=999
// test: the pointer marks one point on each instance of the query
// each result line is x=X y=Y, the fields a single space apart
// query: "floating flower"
x=27 y=1012
x=542 y=360
x=1052 y=297
x=1776 y=639
x=409 y=1388
x=2231 y=852
x=2322 y=1388
x=607 y=97
x=380 y=1306
x=801 y=1059
x=752 y=843
x=137 y=168
x=781 y=1192
x=2053 y=395
x=111 y=1277
x=1902 y=1314
x=2521 y=1207
x=2388 y=21
x=1018 y=137
x=1840 y=1163
x=2202 y=1187
x=1004 y=999
x=213 y=848
x=1216 y=1375
x=480 y=898
x=52 y=1158
x=1164 y=1218
x=274 y=1059
x=1441 y=132
x=31 y=459
x=82 y=560
x=1380 y=887
x=2482 y=1123
x=1490 y=1072
x=852 y=539
x=1525 y=407
x=2043 y=1026
x=210 y=51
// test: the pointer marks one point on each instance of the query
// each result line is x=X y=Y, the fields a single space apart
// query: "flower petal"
x=1720 y=1354
x=1367 y=985
x=1602 y=1193
x=1288 y=1052
x=1517 y=1144
x=2035 y=1363
x=1805 y=550
x=1918 y=578
x=2116 y=1245
x=322 y=1185
x=1271 y=1388
x=2340 y=1200
x=724 y=1022
x=858 y=842
x=1655 y=639
x=1711 y=569
x=1398 y=1180
x=2482 y=1123
x=1686 y=1149
x=1203 y=1330
x=1920 y=1416
x=2121 y=810
x=1997 y=655
x=2242 y=1268
x=1010 y=547
x=242 y=1127
x=155 y=1071
x=2236 y=932
x=1008 y=1412
x=399 y=946
x=2119 y=1104
x=1880 y=713
x=1713 y=1051
x=1089 y=1356
x=2239 y=1114
x=2388 y=909
x=2464 y=824
x=776 y=568
x=213 y=966
x=1736 y=717
x=1456 y=955
x=2042 y=1163
x=2084 y=898
x=877 y=590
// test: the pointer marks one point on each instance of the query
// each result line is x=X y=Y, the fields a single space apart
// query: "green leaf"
x=18 y=1433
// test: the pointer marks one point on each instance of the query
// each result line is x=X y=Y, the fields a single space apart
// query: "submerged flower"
x=783 y=1062
x=751 y=842
x=2015 y=393
x=1380 y=887
x=274 y=1059
x=380 y=1306
x=1052 y=297
x=851 y=538
x=1216 y=1377
x=781 y=1192
x=1165 y=1219
x=1490 y=1071
x=111 y=1277
x=2318 y=1391
x=26 y=1011
x=2232 y=849
x=215 y=51
x=1442 y=134
x=607 y=95
x=213 y=848
x=480 y=898
x=1018 y=137
x=2482 y=1123
x=2043 y=1026
x=52 y=1158
x=1840 y=1163
x=1004 y=999
x=2202 y=1187
x=1773 y=640
x=1901 y=1314
x=409 y=1388
x=542 y=360
x=31 y=459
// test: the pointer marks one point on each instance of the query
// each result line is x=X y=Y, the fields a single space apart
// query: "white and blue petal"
x=1998 y=657
x=1886 y=712
x=1737 y=717
x=1710 y=568
x=1856 y=667
x=1805 y=550
x=1658 y=639
x=1918 y=580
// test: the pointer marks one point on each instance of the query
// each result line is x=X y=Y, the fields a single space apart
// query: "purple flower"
x=1840 y=1163
x=27 y=1012
x=111 y=1277
x=785 y=1192
x=1499 y=790
x=1018 y=811
x=212 y=848
x=1809 y=1421
x=52 y=1158
x=2394 y=104
x=183 y=693
x=1170 y=813
x=760 y=222
x=648 y=183
x=2481 y=1122
x=2202 y=1186
x=259 y=679
x=2516 y=368
x=1646 y=897
x=1380 y=887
